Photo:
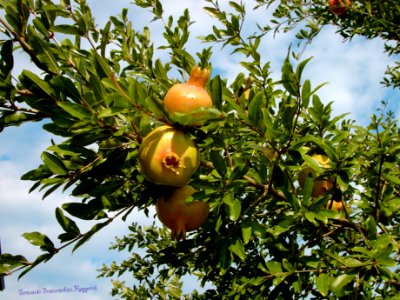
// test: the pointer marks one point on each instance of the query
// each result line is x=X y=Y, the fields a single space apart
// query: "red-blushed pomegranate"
x=168 y=157
x=339 y=7
x=179 y=216
x=191 y=95
x=320 y=186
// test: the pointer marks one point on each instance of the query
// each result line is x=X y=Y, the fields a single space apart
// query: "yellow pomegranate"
x=168 y=157
x=180 y=216
x=191 y=95
x=321 y=186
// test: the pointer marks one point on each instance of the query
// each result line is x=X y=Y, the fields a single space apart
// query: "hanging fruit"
x=168 y=157
x=179 y=216
x=191 y=95
x=320 y=185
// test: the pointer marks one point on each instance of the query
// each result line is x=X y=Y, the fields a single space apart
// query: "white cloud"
x=354 y=71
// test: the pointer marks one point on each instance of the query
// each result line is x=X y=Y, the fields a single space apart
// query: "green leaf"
x=155 y=106
x=67 y=29
x=308 y=189
x=274 y=267
x=198 y=117
x=239 y=8
x=6 y=58
x=306 y=93
x=76 y=110
x=239 y=171
x=16 y=119
x=283 y=226
x=237 y=108
x=234 y=206
x=224 y=258
x=91 y=210
x=44 y=51
x=246 y=233
x=41 y=240
x=310 y=216
x=237 y=248
x=43 y=85
x=54 y=163
x=102 y=67
x=287 y=265
x=337 y=284
x=136 y=91
x=288 y=80
x=219 y=163
x=254 y=111
x=9 y=262
x=352 y=262
x=213 y=12
x=67 y=87
x=393 y=178
x=216 y=92
x=40 y=26
x=107 y=188
x=66 y=223
x=323 y=282
x=300 y=68
x=371 y=227
x=54 y=187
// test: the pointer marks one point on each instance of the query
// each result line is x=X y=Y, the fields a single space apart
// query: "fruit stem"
x=199 y=77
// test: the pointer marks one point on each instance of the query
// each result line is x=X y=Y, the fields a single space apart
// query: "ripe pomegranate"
x=168 y=157
x=191 y=95
x=339 y=7
x=180 y=216
x=321 y=186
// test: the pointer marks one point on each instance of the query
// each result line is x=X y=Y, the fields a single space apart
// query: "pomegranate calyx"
x=199 y=77
x=173 y=162
x=179 y=231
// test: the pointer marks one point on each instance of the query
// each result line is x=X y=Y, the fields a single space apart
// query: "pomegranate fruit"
x=180 y=216
x=191 y=95
x=320 y=186
x=336 y=205
x=339 y=7
x=168 y=157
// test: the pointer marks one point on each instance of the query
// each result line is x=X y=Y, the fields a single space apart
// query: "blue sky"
x=353 y=71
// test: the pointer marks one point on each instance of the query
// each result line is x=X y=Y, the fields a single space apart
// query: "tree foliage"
x=100 y=91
